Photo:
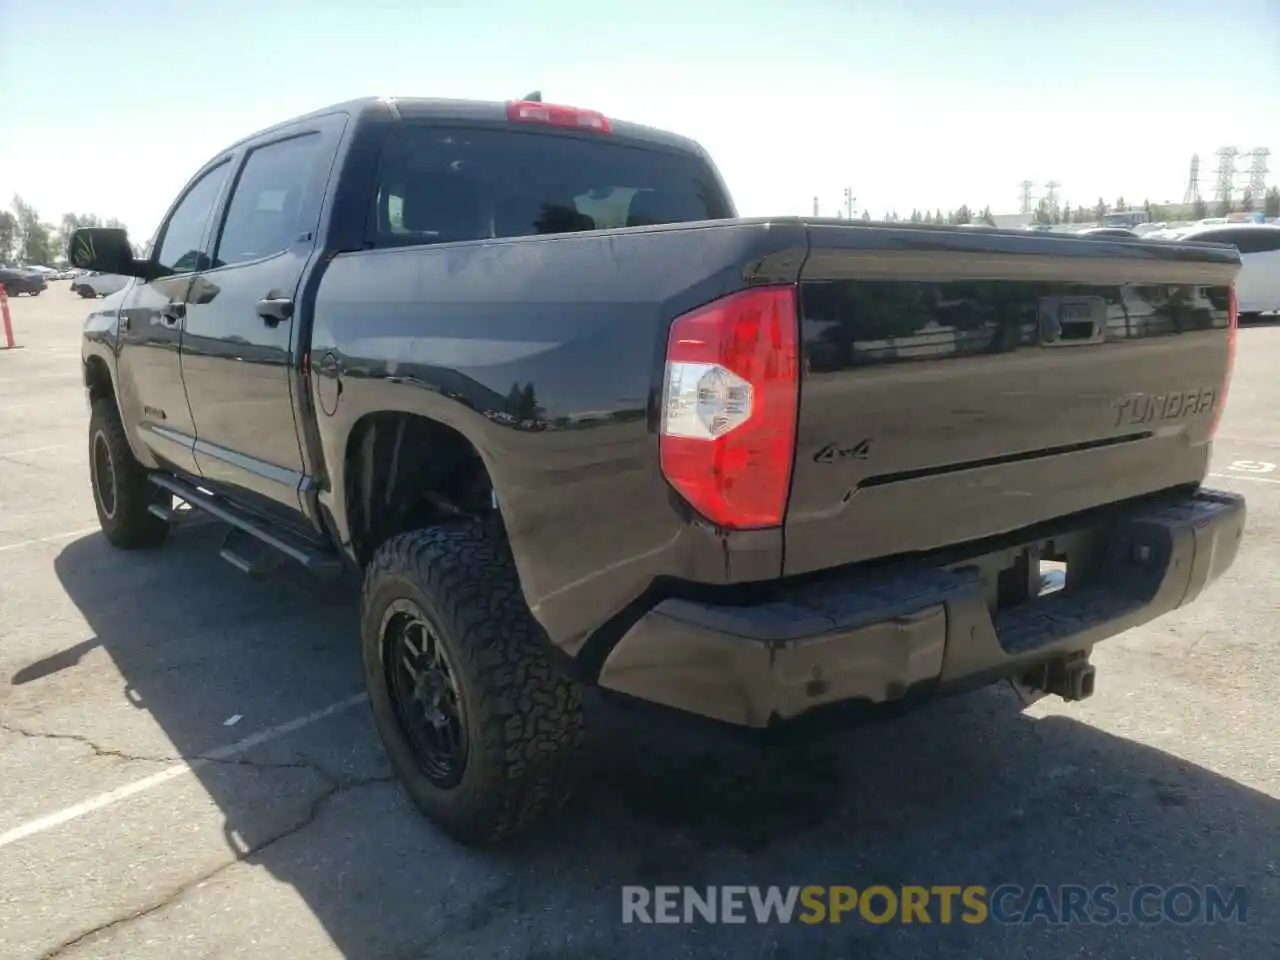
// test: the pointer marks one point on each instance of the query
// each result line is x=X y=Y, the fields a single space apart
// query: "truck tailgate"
x=959 y=386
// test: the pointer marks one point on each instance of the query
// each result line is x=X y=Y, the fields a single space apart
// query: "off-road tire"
x=122 y=511
x=522 y=713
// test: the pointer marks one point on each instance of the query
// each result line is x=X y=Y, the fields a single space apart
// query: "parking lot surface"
x=187 y=767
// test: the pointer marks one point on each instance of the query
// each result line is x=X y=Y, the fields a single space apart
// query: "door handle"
x=273 y=310
x=171 y=313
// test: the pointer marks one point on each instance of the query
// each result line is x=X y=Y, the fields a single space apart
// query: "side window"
x=262 y=217
x=180 y=245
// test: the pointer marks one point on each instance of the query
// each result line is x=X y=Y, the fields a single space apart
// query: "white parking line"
x=51 y=538
x=1241 y=476
x=229 y=752
x=66 y=374
x=14 y=453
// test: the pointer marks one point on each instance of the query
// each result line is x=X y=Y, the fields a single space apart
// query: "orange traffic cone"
x=8 y=321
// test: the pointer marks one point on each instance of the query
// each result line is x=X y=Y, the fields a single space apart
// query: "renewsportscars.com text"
x=938 y=904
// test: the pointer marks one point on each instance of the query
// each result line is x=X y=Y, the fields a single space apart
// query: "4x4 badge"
x=832 y=453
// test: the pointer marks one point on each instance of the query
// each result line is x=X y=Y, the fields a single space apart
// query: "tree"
x=1066 y=213
x=1270 y=206
x=1224 y=207
x=1246 y=202
x=1199 y=209
x=1100 y=210
x=963 y=215
x=529 y=409
x=987 y=218
x=866 y=216
x=35 y=239
x=8 y=236
x=1121 y=206
x=1042 y=214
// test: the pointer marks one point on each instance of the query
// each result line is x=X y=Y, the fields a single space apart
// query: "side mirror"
x=104 y=249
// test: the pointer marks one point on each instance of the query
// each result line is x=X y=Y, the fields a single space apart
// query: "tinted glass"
x=184 y=233
x=1259 y=240
x=443 y=184
x=262 y=217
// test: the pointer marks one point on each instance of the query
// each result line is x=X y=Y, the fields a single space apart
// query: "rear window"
x=443 y=184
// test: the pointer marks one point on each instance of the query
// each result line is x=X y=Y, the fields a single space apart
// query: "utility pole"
x=848 y=202
x=815 y=206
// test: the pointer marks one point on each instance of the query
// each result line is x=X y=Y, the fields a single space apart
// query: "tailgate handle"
x=1072 y=321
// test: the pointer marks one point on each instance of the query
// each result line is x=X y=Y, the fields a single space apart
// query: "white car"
x=90 y=285
x=1258 y=282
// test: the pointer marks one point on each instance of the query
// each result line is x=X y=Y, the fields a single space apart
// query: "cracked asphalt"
x=139 y=818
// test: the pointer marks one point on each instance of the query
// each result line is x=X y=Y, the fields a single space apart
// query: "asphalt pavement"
x=188 y=768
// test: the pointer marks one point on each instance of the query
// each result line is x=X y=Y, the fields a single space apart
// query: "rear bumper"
x=872 y=638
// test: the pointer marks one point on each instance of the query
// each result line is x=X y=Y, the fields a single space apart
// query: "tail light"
x=535 y=111
x=730 y=397
x=1233 y=330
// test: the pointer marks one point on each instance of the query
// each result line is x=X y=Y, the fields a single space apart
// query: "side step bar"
x=314 y=559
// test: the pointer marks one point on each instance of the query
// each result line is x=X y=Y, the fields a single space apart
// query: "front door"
x=238 y=348
x=148 y=370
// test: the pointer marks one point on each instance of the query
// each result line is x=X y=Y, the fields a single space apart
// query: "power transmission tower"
x=1258 y=174
x=1051 y=194
x=848 y=202
x=1026 y=186
x=1226 y=173
x=1193 y=181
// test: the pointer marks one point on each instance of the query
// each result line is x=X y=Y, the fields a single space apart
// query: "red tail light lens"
x=730 y=398
x=1233 y=330
x=534 y=111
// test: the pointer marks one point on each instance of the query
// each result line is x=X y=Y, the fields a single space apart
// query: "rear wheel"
x=121 y=491
x=479 y=724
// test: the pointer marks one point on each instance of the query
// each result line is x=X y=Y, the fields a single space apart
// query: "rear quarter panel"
x=546 y=353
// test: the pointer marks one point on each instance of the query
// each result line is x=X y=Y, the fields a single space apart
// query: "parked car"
x=1258 y=283
x=98 y=284
x=576 y=425
x=19 y=280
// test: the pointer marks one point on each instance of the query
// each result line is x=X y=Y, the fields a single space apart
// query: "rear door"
x=240 y=344
x=960 y=386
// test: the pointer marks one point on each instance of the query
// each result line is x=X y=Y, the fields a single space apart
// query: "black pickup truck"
x=578 y=425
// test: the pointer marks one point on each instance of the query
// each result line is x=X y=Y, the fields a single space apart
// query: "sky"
x=110 y=107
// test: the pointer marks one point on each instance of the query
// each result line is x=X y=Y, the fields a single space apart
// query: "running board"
x=310 y=557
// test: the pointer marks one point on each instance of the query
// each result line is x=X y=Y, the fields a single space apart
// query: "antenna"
x=535 y=97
